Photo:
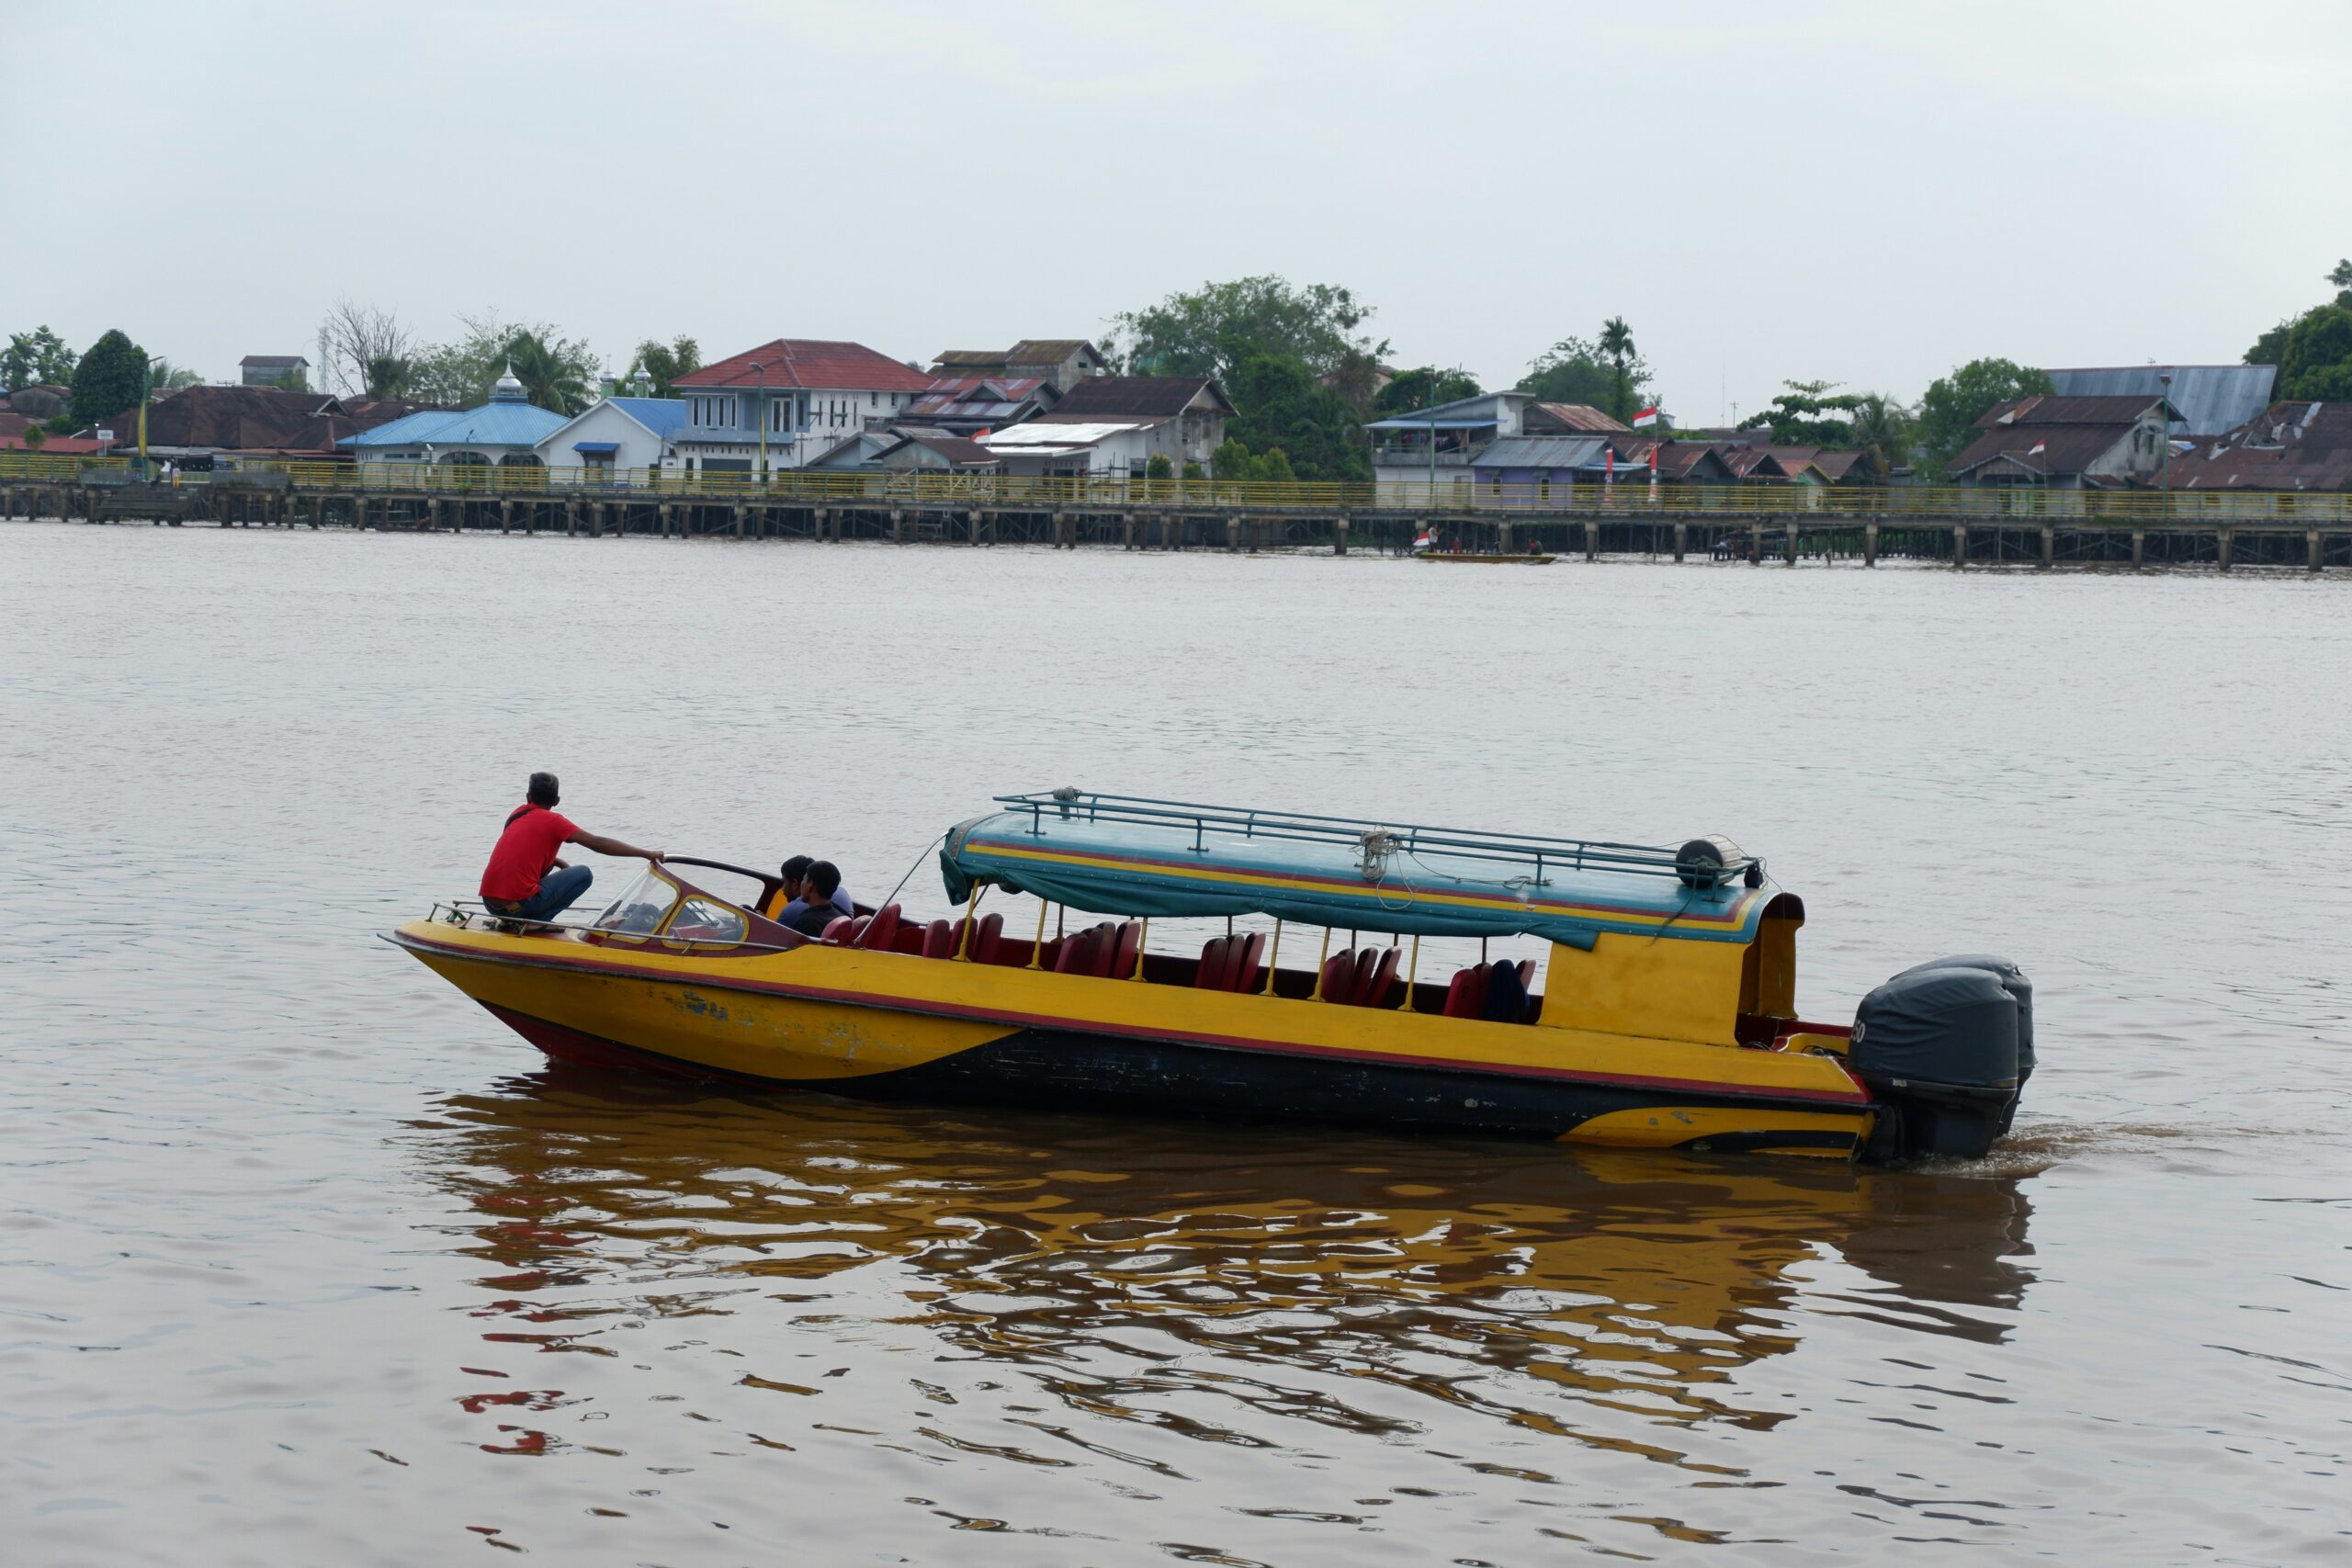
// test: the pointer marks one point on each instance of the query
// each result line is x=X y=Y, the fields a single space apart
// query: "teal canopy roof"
x=1125 y=855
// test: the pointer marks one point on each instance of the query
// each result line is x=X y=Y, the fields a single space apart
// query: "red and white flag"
x=1648 y=417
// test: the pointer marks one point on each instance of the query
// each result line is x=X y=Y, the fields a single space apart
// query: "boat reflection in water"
x=1594 y=1295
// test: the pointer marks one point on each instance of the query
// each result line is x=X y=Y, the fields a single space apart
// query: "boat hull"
x=888 y=1026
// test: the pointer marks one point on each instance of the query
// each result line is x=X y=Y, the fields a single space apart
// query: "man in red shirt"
x=516 y=885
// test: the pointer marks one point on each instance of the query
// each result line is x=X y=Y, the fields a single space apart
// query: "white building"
x=619 y=436
x=1113 y=425
x=788 y=403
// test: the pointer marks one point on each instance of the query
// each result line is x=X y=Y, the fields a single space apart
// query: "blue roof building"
x=506 y=431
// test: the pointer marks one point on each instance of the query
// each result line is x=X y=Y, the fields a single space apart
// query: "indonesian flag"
x=1648 y=417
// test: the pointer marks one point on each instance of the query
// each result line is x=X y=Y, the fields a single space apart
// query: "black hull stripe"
x=1062 y=1070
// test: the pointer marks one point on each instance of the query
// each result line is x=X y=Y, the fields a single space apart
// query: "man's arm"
x=614 y=847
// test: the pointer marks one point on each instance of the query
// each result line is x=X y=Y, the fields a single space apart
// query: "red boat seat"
x=1338 y=976
x=837 y=927
x=986 y=939
x=1246 y=961
x=1215 y=965
x=1124 y=949
x=1360 y=983
x=882 y=930
x=1466 y=997
x=1384 y=980
x=938 y=941
x=852 y=937
x=1077 y=956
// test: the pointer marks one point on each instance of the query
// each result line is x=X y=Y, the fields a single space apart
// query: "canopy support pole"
x=1273 y=958
x=963 y=948
x=1318 y=963
x=1037 y=948
x=1143 y=945
x=1412 y=970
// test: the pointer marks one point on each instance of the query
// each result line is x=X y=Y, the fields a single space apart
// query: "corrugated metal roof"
x=1571 y=416
x=1545 y=452
x=1065 y=432
x=2211 y=399
x=2291 y=446
x=2043 y=449
x=2049 y=409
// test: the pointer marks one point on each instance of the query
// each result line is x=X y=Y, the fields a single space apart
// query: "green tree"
x=1807 y=413
x=1279 y=404
x=35 y=357
x=1882 y=432
x=2339 y=278
x=1423 y=386
x=1617 y=346
x=1234 y=460
x=2324 y=384
x=389 y=376
x=34 y=437
x=292 y=379
x=1954 y=404
x=663 y=364
x=1214 y=330
x=163 y=376
x=1577 y=370
x=551 y=378
x=1159 y=467
x=460 y=374
x=107 y=379
x=2318 y=340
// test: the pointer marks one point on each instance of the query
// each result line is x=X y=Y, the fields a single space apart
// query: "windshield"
x=639 y=909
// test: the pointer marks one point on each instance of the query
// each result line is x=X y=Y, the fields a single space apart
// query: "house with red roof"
x=788 y=403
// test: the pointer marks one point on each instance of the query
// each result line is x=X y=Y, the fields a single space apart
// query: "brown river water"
x=306 y=1259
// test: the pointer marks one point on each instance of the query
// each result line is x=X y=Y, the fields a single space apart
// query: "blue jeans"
x=558 y=890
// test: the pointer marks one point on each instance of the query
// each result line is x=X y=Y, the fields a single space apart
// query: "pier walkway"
x=1758 y=522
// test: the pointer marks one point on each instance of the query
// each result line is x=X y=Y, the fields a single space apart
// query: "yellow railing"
x=1448 y=499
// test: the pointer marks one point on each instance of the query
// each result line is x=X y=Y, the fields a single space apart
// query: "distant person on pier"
x=525 y=880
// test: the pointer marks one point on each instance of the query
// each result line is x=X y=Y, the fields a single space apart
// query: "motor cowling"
x=1938 y=1047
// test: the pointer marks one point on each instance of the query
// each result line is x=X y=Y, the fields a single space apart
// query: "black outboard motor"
x=1937 y=1046
x=2013 y=980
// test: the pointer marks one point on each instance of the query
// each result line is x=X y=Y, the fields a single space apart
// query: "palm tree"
x=1882 y=433
x=389 y=376
x=548 y=378
x=1617 y=344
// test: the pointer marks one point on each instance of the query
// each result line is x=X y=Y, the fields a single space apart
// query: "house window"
x=873 y=400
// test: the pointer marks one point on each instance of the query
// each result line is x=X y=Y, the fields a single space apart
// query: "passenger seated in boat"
x=788 y=878
x=517 y=883
x=815 y=908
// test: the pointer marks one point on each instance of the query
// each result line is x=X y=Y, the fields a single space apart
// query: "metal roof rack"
x=1379 y=842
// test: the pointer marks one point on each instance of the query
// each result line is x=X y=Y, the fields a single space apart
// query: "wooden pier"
x=2033 y=528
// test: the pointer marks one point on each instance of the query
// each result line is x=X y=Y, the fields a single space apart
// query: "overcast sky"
x=1865 y=193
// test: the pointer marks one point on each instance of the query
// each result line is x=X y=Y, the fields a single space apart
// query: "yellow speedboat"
x=1665 y=1016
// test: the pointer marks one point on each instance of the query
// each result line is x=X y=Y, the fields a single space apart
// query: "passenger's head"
x=824 y=876
x=795 y=872
x=542 y=792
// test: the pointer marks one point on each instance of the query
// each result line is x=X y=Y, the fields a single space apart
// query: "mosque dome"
x=507 y=389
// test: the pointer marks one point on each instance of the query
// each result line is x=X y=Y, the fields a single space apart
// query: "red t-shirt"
x=524 y=852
